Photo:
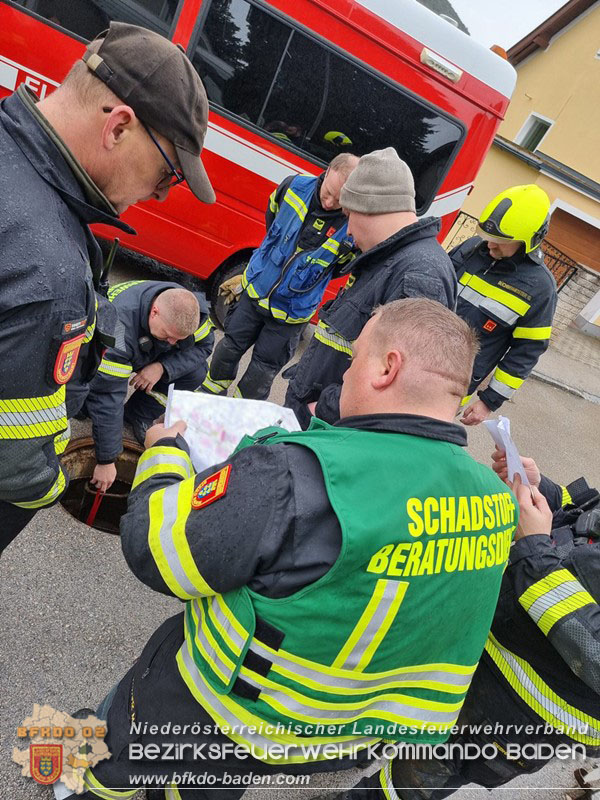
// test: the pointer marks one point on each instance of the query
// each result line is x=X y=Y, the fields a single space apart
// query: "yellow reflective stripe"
x=202 y=628
x=159 y=397
x=203 y=330
x=116 y=290
x=237 y=392
x=331 y=339
x=214 y=386
x=332 y=245
x=556 y=596
x=532 y=333
x=508 y=379
x=495 y=293
x=465 y=400
x=51 y=495
x=172 y=792
x=115 y=368
x=162 y=460
x=273 y=204
x=226 y=712
x=544 y=585
x=541 y=698
x=299 y=206
x=368 y=632
x=62 y=440
x=98 y=790
x=169 y=509
x=33 y=417
x=89 y=331
x=563 y=608
x=386 y=782
x=567 y=500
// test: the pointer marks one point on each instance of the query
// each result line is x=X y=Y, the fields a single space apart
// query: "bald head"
x=414 y=356
x=174 y=315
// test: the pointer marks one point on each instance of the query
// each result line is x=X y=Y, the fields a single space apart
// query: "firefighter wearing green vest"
x=338 y=583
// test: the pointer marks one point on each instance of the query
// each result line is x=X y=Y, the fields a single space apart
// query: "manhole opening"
x=79 y=460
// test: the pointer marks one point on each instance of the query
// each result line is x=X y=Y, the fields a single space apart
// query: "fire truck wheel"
x=219 y=308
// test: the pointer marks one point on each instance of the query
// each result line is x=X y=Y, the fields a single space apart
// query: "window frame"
x=367 y=68
x=527 y=126
x=76 y=36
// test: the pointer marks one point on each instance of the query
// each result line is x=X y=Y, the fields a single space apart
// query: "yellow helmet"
x=518 y=214
x=338 y=138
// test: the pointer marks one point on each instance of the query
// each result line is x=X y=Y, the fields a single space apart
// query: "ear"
x=391 y=364
x=154 y=312
x=119 y=124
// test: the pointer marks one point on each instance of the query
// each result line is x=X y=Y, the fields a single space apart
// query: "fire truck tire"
x=218 y=307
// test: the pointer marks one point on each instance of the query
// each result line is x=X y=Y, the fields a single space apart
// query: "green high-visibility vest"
x=384 y=645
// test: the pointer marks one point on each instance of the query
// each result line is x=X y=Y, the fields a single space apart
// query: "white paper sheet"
x=500 y=432
x=215 y=425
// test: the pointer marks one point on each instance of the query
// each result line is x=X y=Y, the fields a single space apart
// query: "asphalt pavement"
x=74 y=618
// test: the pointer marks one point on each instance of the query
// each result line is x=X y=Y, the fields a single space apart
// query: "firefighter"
x=507 y=294
x=537 y=685
x=164 y=336
x=305 y=245
x=80 y=155
x=298 y=615
x=400 y=258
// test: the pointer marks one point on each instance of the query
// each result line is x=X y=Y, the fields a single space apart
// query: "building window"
x=534 y=130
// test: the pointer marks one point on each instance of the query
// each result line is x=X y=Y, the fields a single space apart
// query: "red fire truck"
x=291 y=83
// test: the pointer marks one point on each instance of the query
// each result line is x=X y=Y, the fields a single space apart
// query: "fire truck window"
x=87 y=18
x=237 y=56
x=311 y=97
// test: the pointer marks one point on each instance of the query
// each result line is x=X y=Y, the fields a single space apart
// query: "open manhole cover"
x=79 y=460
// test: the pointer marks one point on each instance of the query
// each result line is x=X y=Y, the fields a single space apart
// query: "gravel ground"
x=74 y=618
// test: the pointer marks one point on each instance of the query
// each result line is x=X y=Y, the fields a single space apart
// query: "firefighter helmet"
x=519 y=214
x=338 y=138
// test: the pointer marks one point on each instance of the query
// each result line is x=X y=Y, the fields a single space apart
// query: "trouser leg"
x=242 y=328
x=275 y=346
x=12 y=521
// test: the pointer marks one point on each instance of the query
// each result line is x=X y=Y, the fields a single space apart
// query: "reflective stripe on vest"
x=525 y=681
x=33 y=417
x=89 y=331
x=441 y=677
x=51 y=495
x=566 y=497
x=326 y=336
x=93 y=785
x=214 y=386
x=169 y=509
x=162 y=461
x=537 y=334
x=556 y=596
x=115 y=369
x=299 y=206
x=278 y=313
x=252 y=731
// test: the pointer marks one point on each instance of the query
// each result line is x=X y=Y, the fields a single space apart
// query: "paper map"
x=215 y=425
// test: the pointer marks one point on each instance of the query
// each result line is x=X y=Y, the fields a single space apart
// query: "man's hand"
x=535 y=516
x=231 y=290
x=159 y=431
x=147 y=377
x=104 y=476
x=501 y=469
x=475 y=413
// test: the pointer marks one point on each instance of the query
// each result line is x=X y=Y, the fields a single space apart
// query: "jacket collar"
x=514 y=262
x=54 y=162
x=410 y=424
x=423 y=228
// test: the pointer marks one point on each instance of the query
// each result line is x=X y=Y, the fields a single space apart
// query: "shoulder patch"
x=211 y=488
x=66 y=359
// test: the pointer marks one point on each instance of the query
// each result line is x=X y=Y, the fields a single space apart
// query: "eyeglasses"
x=174 y=175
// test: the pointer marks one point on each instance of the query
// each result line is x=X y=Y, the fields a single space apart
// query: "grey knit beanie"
x=380 y=184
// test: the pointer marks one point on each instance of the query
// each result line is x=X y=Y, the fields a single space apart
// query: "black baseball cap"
x=156 y=78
